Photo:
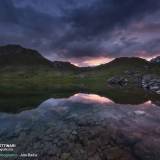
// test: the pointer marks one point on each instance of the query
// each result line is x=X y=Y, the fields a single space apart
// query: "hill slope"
x=129 y=62
x=17 y=56
x=26 y=70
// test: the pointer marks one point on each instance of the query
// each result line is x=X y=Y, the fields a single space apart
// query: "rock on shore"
x=122 y=81
x=152 y=83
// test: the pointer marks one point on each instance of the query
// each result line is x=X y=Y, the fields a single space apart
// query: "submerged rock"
x=84 y=131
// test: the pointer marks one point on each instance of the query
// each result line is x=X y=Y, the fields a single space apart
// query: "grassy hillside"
x=26 y=70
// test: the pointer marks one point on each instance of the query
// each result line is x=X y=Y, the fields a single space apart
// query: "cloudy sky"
x=84 y=32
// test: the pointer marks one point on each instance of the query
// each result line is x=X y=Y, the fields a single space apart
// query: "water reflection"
x=85 y=126
x=17 y=103
x=90 y=98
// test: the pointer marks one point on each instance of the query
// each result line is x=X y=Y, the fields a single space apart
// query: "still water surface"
x=84 y=127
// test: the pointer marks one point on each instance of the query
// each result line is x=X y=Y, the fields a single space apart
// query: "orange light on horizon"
x=147 y=58
x=97 y=61
x=91 y=61
x=145 y=55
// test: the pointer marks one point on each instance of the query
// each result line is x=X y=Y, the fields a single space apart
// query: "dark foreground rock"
x=67 y=129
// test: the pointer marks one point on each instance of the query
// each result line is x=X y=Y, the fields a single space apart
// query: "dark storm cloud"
x=71 y=28
x=105 y=15
x=28 y=26
x=98 y=21
x=7 y=12
x=27 y=18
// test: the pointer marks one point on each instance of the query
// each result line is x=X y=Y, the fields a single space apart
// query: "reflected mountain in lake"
x=15 y=103
x=85 y=127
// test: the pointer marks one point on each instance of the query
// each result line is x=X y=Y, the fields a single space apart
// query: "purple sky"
x=83 y=32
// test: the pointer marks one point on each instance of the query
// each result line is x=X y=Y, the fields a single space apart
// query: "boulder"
x=152 y=83
x=118 y=81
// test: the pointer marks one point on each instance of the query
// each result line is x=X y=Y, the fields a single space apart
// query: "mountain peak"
x=16 y=49
x=18 y=56
x=129 y=61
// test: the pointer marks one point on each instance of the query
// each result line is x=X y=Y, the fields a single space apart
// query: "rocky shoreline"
x=152 y=83
x=148 y=82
